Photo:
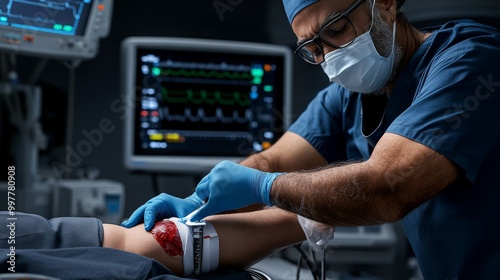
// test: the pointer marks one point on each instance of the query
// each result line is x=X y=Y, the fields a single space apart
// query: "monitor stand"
x=23 y=104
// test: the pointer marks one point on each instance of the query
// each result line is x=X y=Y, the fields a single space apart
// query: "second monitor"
x=196 y=102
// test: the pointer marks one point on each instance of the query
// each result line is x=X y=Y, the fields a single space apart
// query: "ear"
x=387 y=9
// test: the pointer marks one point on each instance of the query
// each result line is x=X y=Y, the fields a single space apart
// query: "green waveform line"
x=203 y=74
x=205 y=97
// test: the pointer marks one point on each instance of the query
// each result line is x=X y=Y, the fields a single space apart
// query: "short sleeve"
x=456 y=109
x=321 y=123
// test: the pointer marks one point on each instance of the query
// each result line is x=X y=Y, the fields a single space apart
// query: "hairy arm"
x=400 y=175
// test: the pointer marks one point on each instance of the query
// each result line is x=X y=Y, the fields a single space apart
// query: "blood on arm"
x=176 y=239
x=167 y=235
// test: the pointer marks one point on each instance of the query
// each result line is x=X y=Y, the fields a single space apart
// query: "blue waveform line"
x=201 y=116
x=204 y=65
x=188 y=80
x=31 y=19
x=47 y=6
x=74 y=9
x=67 y=5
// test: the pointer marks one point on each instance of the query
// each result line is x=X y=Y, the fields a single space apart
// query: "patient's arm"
x=244 y=238
x=139 y=241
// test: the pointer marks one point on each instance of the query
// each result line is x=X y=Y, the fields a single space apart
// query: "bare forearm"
x=260 y=162
x=248 y=237
x=342 y=195
x=290 y=153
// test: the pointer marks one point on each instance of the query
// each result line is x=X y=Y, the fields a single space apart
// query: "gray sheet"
x=69 y=248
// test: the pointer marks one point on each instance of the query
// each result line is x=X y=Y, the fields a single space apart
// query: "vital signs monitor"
x=195 y=102
x=68 y=29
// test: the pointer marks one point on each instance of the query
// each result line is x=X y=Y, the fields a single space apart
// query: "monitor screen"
x=57 y=17
x=196 y=102
x=69 y=29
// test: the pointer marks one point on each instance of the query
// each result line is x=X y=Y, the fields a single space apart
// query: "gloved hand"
x=163 y=206
x=232 y=186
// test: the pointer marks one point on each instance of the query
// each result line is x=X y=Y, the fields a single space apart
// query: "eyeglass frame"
x=318 y=40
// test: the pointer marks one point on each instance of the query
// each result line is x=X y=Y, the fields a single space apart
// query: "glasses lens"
x=339 y=33
x=311 y=52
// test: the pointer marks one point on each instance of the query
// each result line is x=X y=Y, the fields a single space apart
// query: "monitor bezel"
x=187 y=164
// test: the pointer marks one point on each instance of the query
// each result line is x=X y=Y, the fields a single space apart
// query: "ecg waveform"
x=222 y=66
x=202 y=96
x=201 y=116
x=60 y=16
x=206 y=74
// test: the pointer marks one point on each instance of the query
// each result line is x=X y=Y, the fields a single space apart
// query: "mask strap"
x=373 y=7
x=393 y=35
x=393 y=27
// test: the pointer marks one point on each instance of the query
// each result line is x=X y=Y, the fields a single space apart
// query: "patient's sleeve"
x=36 y=232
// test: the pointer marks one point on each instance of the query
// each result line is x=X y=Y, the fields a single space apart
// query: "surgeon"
x=408 y=130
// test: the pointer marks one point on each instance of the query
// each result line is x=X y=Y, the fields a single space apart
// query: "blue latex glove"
x=232 y=186
x=163 y=206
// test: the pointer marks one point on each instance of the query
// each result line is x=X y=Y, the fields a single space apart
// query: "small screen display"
x=112 y=204
x=68 y=17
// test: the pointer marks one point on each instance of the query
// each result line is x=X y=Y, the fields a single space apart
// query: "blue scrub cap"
x=293 y=7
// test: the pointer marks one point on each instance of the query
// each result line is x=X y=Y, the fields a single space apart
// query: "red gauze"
x=166 y=233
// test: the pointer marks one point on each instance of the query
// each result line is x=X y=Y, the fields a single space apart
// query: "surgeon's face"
x=308 y=22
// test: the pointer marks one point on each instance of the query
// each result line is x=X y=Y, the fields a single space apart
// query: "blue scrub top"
x=447 y=98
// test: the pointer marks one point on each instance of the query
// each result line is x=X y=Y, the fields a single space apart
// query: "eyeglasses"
x=338 y=32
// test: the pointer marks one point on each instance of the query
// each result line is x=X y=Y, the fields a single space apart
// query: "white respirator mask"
x=359 y=67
